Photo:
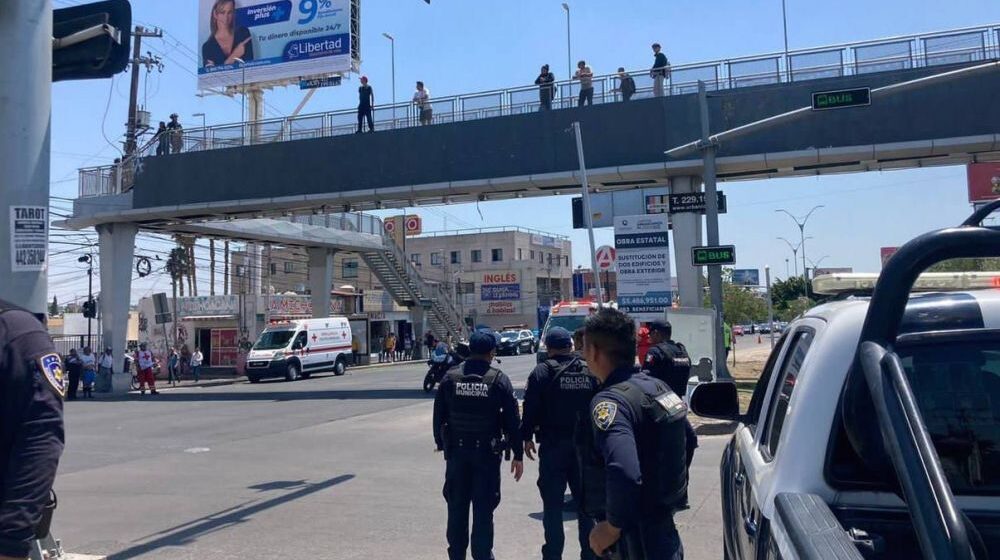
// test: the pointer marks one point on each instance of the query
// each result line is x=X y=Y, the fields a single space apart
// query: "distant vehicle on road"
x=298 y=349
x=569 y=315
x=516 y=343
x=738 y=330
x=872 y=431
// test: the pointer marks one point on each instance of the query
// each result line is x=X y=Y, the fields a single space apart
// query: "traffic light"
x=91 y=40
x=90 y=309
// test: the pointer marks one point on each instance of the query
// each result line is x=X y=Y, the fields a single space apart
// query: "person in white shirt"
x=422 y=99
x=196 y=359
x=89 y=361
x=106 y=366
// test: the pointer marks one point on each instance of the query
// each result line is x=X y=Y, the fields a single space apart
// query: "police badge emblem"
x=604 y=415
x=52 y=370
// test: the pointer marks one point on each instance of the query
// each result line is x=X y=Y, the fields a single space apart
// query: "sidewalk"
x=161 y=384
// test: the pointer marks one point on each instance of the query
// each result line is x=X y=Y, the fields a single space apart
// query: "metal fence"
x=896 y=53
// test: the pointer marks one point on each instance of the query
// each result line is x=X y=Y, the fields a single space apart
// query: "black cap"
x=661 y=326
x=482 y=342
x=558 y=338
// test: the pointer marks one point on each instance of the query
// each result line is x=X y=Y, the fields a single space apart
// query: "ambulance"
x=569 y=315
x=298 y=349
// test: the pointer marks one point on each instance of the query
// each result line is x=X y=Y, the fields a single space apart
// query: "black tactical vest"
x=676 y=369
x=660 y=441
x=566 y=396
x=473 y=414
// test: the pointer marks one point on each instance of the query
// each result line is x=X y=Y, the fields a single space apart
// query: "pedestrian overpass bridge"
x=498 y=145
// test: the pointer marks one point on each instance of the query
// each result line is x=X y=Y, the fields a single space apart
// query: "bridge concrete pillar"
x=687 y=228
x=419 y=316
x=116 y=243
x=320 y=279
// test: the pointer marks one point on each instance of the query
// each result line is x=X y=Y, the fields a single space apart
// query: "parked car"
x=872 y=431
x=738 y=330
x=516 y=343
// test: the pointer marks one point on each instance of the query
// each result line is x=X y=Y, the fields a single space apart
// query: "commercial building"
x=500 y=276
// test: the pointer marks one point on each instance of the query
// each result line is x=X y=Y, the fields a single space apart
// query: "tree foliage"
x=966 y=265
x=54 y=307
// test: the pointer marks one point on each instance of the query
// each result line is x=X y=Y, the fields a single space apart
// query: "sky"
x=462 y=46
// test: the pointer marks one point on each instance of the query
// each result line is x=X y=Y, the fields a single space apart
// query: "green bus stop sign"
x=840 y=99
x=704 y=256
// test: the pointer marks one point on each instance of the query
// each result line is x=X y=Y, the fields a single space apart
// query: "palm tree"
x=178 y=265
x=211 y=267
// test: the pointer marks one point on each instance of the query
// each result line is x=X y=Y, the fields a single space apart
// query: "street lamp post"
x=795 y=252
x=784 y=25
x=392 y=56
x=802 y=236
x=569 y=51
x=204 y=132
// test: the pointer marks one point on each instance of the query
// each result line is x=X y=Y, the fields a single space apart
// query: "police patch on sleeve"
x=52 y=370
x=604 y=415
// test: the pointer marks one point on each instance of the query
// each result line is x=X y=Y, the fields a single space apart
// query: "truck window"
x=782 y=396
x=273 y=340
x=957 y=387
x=300 y=340
x=760 y=390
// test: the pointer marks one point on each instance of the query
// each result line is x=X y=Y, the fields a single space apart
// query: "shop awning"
x=207 y=317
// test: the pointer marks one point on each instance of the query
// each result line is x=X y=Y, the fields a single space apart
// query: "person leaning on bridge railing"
x=546 y=88
x=586 y=77
x=660 y=70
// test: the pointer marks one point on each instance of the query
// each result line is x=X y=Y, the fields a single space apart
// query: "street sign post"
x=694 y=202
x=605 y=257
x=841 y=99
x=721 y=255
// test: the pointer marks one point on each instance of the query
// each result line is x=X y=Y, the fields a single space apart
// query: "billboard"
x=606 y=205
x=642 y=254
x=746 y=277
x=833 y=270
x=984 y=181
x=885 y=253
x=276 y=40
x=500 y=287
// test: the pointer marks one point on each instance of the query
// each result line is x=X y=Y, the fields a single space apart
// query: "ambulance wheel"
x=340 y=367
x=292 y=373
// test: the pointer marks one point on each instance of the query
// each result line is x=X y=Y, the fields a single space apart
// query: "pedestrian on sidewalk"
x=106 y=369
x=145 y=363
x=162 y=140
x=430 y=342
x=196 y=359
x=366 y=103
x=546 y=88
x=586 y=77
x=176 y=134
x=89 y=362
x=660 y=70
x=74 y=367
x=390 y=347
x=408 y=347
x=173 y=368
x=422 y=99
x=355 y=348
x=626 y=85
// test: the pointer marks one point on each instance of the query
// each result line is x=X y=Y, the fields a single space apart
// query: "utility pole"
x=133 y=100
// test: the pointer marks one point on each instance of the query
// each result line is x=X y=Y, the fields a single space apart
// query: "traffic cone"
x=759 y=339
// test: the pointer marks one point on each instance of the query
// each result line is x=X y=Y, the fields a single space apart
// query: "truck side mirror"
x=716 y=399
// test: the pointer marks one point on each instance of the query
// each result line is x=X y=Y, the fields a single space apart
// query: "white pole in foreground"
x=588 y=215
x=25 y=108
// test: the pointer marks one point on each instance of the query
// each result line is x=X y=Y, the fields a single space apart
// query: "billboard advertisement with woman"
x=253 y=41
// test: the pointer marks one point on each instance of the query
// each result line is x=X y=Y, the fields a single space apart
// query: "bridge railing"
x=966 y=45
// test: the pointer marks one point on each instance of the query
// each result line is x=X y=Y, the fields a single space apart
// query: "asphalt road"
x=330 y=467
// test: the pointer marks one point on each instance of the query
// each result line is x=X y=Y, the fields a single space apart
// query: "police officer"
x=557 y=393
x=32 y=388
x=638 y=439
x=669 y=362
x=474 y=410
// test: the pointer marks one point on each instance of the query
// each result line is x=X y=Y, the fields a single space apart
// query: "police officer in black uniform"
x=669 y=362
x=638 y=446
x=557 y=393
x=474 y=410
x=32 y=388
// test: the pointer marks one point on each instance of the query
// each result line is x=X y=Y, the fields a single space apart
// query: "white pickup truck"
x=874 y=430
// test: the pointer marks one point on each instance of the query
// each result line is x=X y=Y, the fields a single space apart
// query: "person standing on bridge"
x=586 y=77
x=626 y=85
x=176 y=134
x=546 y=88
x=422 y=99
x=660 y=70
x=366 y=103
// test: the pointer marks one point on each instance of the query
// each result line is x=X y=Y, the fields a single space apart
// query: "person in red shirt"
x=144 y=365
x=643 y=344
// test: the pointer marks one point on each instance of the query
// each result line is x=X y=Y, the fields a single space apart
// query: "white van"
x=300 y=348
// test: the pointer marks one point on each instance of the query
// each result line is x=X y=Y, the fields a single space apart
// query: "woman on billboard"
x=227 y=44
